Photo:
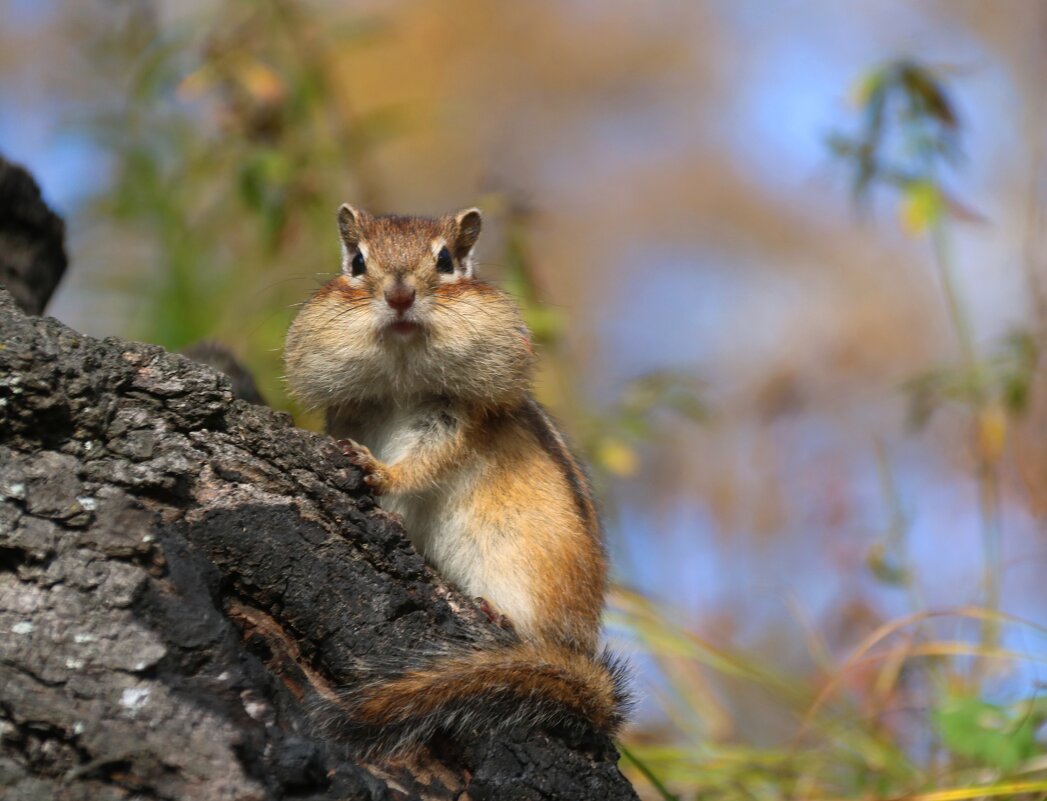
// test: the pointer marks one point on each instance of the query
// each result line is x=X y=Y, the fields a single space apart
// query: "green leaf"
x=868 y=86
x=992 y=735
x=1017 y=365
x=885 y=567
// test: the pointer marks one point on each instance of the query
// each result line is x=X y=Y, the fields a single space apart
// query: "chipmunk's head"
x=407 y=315
x=404 y=266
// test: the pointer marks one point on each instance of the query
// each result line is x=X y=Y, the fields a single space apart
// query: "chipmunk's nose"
x=400 y=297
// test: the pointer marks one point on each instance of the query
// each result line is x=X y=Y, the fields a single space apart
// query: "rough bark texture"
x=32 y=250
x=222 y=359
x=183 y=575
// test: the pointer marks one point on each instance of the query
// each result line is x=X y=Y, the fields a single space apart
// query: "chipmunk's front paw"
x=376 y=475
x=492 y=614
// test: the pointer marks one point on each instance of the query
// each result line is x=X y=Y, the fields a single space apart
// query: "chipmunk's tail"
x=519 y=684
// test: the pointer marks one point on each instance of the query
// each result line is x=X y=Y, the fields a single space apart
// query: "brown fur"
x=464 y=287
x=340 y=289
x=563 y=676
x=537 y=479
x=449 y=436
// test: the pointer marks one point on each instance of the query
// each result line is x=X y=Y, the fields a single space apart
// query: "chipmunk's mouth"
x=405 y=327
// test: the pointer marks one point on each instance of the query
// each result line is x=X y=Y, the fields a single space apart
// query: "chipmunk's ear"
x=349 y=225
x=349 y=228
x=467 y=224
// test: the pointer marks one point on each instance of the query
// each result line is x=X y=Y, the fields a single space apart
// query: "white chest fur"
x=396 y=433
x=441 y=521
x=403 y=432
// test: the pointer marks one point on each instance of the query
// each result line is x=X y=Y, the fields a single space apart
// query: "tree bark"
x=184 y=577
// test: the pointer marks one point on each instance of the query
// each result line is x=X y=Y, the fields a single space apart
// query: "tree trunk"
x=32 y=246
x=184 y=577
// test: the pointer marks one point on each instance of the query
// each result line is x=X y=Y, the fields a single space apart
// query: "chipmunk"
x=425 y=375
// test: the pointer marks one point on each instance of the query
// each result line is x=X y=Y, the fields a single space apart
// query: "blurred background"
x=785 y=263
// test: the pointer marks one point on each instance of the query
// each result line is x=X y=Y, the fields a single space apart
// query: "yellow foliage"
x=618 y=457
x=991 y=432
x=921 y=207
x=862 y=90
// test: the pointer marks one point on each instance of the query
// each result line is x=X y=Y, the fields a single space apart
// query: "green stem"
x=648 y=774
x=989 y=500
x=957 y=314
x=898 y=531
x=987 y=473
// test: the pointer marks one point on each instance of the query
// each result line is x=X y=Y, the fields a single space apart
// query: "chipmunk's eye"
x=444 y=262
x=359 y=266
